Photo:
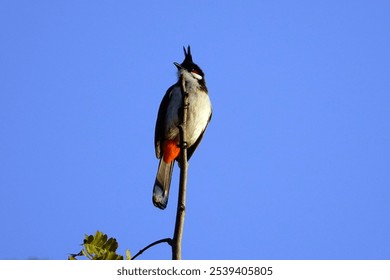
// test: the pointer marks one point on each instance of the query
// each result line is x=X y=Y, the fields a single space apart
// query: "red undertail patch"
x=171 y=151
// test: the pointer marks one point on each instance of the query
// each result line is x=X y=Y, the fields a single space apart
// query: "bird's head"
x=189 y=66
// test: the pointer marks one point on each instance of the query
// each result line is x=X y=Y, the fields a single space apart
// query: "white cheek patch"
x=196 y=76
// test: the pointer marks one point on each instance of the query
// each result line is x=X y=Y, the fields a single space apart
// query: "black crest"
x=188 y=57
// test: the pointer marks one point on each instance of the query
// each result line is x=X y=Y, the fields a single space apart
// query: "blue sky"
x=294 y=164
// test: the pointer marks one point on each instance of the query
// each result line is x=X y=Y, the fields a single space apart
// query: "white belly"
x=199 y=111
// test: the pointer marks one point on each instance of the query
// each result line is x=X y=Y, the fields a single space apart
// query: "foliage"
x=99 y=247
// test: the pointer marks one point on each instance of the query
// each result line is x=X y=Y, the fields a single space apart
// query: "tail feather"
x=162 y=184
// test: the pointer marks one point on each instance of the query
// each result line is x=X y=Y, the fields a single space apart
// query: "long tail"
x=162 y=184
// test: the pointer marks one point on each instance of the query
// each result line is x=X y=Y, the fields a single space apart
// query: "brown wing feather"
x=159 y=131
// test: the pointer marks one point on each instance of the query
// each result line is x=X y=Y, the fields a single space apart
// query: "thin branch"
x=175 y=243
x=167 y=240
x=181 y=203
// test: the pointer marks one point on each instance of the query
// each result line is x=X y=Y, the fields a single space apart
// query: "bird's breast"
x=198 y=115
x=199 y=111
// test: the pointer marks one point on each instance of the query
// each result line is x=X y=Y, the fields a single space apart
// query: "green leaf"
x=99 y=247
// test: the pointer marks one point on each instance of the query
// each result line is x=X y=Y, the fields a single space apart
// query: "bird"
x=191 y=81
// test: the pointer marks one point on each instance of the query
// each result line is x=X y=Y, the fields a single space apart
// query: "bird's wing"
x=160 y=123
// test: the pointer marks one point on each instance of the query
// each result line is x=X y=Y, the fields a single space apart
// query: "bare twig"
x=181 y=203
x=167 y=240
x=175 y=243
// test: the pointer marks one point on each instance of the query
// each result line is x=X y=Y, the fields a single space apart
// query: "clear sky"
x=295 y=163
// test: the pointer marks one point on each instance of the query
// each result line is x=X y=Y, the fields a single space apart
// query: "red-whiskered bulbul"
x=167 y=135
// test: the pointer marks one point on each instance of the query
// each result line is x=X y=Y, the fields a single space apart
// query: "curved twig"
x=167 y=240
